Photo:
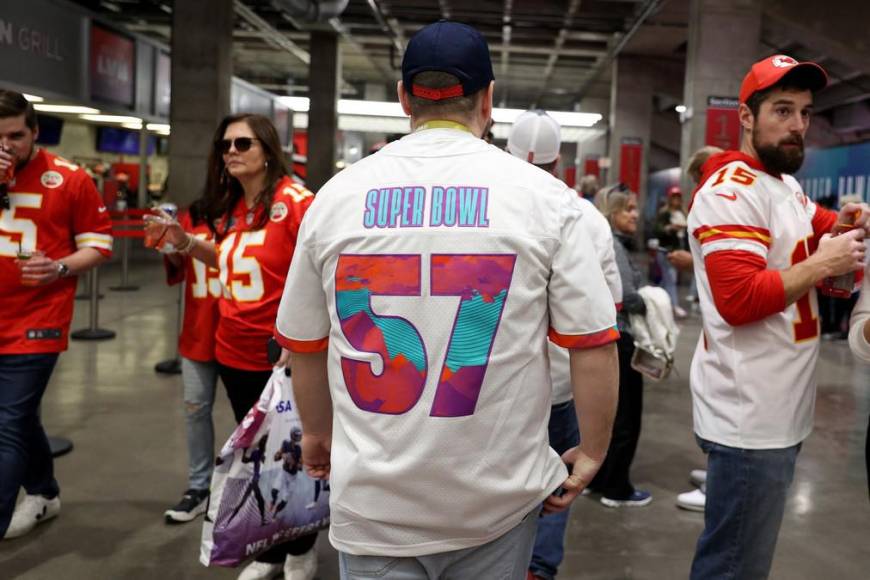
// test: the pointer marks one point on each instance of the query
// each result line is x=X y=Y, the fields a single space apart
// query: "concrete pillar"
x=201 y=70
x=323 y=81
x=631 y=110
x=714 y=70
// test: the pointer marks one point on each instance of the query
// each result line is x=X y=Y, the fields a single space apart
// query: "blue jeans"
x=25 y=457
x=504 y=558
x=550 y=539
x=746 y=493
x=200 y=380
x=669 y=277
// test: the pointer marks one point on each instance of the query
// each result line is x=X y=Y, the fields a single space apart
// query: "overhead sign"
x=112 y=67
x=40 y=47
x=723 y=124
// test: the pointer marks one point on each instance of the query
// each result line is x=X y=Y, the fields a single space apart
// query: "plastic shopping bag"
x=260 y=494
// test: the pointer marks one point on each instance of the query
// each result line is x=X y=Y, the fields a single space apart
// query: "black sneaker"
x=194 y=502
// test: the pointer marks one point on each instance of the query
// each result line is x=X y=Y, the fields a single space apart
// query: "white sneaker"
x=692 y=500
x=33 y=510
x=302 y=567
x=261 y=571
x=698 y=477
x=679 y=312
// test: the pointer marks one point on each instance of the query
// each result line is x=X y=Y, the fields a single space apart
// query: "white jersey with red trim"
x=602 y=245
x=433 y=270
x=753 y=385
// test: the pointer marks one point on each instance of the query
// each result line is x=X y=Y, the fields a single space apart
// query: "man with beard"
x=759 y=247
x=53 y=227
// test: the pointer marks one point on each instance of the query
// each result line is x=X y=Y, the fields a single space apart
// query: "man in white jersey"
x=536 y=137
x=433 y=272
x=759 y=247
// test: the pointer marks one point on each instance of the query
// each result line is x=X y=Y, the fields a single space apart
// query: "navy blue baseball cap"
x=448 y=47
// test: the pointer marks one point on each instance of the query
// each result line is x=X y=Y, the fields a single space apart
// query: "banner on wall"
x=112 y=66
x=630 y=161
x=723 y=124
x=828 y=174
x=591 y=166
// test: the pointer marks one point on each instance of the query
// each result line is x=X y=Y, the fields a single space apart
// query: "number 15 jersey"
x=753 y=385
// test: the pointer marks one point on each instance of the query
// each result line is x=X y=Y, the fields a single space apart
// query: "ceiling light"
x=73 y=109
x=158 y=127
x=390 y=109
x=136 y=126
x=111 y=119
x=680 y=108
x=33 y=98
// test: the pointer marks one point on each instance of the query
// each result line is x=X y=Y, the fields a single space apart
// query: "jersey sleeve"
x=730 y=217
x=582 y=310
x=303 y=316
x=92 y=226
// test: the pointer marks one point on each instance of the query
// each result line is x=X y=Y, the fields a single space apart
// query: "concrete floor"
x=129 y=465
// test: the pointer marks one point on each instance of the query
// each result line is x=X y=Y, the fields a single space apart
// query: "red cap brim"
x=805 y=74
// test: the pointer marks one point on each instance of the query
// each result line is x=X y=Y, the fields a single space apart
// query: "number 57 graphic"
x=480 y=280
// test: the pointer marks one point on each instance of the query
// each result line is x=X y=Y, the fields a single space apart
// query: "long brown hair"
x=222 y=191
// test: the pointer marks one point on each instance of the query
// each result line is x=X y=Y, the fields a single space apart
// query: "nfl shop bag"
x=260 y=494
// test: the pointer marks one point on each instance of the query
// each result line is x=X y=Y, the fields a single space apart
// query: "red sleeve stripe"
x=584 y=340
x=619 y=306
x=302 y=346
x=706 y=234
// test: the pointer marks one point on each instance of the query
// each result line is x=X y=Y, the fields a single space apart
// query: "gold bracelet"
x=188 y=245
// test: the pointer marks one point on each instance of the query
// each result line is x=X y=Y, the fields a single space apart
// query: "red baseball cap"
x=674 y=190
x=766 y=73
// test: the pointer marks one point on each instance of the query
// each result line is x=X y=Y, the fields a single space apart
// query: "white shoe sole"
x=690 y=507
x=47 y=514
x=178 y=517
x=617 y=503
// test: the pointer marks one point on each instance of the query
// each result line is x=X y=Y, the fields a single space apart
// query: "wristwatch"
x=62 y=270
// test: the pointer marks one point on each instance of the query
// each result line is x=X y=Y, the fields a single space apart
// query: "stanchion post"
x=125 y=285
x=172 y=366
x=93 y=332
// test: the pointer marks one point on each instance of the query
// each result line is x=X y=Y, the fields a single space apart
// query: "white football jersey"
x=753 y=385
x=433 y=270
x=602 y=246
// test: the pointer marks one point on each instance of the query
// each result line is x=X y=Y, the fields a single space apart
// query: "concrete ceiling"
x=547 y=53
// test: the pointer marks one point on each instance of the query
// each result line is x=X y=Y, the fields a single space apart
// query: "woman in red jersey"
x=255 y=221
x=199 y=369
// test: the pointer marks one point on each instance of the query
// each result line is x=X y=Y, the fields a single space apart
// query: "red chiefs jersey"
x=202 y=289
x=56 y=209
x=253 y=267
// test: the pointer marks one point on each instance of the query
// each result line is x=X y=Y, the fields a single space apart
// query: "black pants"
x=613 y=479
x=243 y=389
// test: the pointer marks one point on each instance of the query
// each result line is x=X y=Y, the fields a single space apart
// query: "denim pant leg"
x=669 y=277
x=746 y=493
x=25 y=456
x=200 y=380
x=550 y=539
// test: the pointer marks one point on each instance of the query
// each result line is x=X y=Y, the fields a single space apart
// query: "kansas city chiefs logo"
x=782 y=61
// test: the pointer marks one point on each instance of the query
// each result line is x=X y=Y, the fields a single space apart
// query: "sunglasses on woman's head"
x=242 y=144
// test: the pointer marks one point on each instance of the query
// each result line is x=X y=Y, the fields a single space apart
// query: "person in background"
x=536 y=137
x=199 y=369
x=589 y=186
x=670 y=229
x=53 y=227
x=255 y=224
x=694 y=499
x=613 y=481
